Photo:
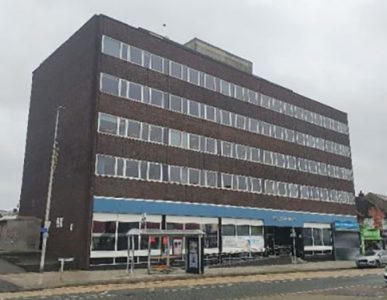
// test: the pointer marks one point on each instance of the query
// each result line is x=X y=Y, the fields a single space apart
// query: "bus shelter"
x=192 y=243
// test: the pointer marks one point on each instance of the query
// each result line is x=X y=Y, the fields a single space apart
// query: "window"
x=124 y=88
x=210 y=113
x=243 y=230
x=193 y=76
x=282 y=189
x=175 y=174
x=156 y=63
x=307 y=235
x=323 y=169
x=136 y=55
x=134 y=129
x=313 y=167
x=226 y=181
x=310 y=141
x=241 y=183
x=324 y=194
x=224 y=87
x=304 y=192
x=156 y=134
x=107 y=123
x=193 y=176
x=303 y=164
x=105 y=165
x=209 y=82
x=135 y=91
x=281 y=160
x=211 y=179
x=132 y=169
x=278 y=132
x=240 y=121
x=327 y=236
x=109 y=84
x=210 y=145
x=175 y=138
x=124 y=52
x=289 y=109
x=289 y=135
x=255 y=155
x=253 y=125
x=194 y=142
x=176 y=103
x=154 y=171
x=319 y=143
x=292 y=162
x=267 y=157
x=228 y=230
x=256 y=230
x=241 y=151
x=225 y=117
x=226 y=149
x=265 y=101
x=239 y=92
x=145 y=132
x=176 y=70
x=193 y=108
x=293 y=190
x=317 y=237
x=300 y=138
x=277 y=105
x=253 y=97
x=120 y=167
x=270 y=187
x=255 y=185
x=111 y=46
x=156 y=98
x=265 y=129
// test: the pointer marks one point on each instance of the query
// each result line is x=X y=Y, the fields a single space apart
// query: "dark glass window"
x=317 y=237
x=243 y=230
x=105 y=165
x=327 y=236
x=256 y=230
x=107 y=124
x=228 y=230
x=307 y=234
x=123 y=229
x=111 y=46
x=109 y=84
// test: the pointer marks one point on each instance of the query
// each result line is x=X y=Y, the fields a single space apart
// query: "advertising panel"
x=243 y=243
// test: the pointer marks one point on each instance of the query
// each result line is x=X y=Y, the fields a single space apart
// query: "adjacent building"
x=185 y=137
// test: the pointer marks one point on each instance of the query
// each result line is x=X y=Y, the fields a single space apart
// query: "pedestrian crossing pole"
x=54 y=162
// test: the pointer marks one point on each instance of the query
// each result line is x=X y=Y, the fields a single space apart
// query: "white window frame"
x=148 y=169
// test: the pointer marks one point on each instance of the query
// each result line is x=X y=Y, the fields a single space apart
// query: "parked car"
x=372 y=258
x=385 y=274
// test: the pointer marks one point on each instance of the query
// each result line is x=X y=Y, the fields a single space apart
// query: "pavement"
x=48 y=280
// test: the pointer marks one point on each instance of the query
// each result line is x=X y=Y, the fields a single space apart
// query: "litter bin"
x=194 y=255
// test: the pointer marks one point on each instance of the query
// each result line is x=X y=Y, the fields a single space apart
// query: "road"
x=340 y=285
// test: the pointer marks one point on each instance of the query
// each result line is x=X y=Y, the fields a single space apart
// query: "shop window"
x=327 y=236
x=307 y=237
x=136 y=55
x=108 y=124
x=225 y=87
x=123 y=229
x=317 y=237
x=111 y=46
x=103 y=237
x=256 y=230
x=105 y=165
x=109 y=84
x=211 y=235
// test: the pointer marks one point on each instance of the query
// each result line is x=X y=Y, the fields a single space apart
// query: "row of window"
x=107 y=165
x=133 y=91
x=172 y=137
x=157 y=63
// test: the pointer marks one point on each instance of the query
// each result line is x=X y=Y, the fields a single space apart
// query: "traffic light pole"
x=47 y=222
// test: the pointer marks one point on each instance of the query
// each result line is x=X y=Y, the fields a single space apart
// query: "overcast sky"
x=332 y=51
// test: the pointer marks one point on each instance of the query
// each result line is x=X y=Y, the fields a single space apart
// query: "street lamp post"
x=47 y=223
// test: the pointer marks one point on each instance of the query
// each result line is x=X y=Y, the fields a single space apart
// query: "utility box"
x=194 y=255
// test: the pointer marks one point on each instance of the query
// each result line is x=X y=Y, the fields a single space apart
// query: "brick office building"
x=189 y=136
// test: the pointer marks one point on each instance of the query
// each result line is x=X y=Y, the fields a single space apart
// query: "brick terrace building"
x=189 y=136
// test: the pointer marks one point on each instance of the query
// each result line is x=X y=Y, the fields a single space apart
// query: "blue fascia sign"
x=346 y=226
